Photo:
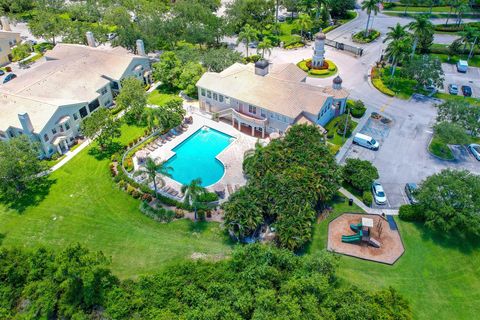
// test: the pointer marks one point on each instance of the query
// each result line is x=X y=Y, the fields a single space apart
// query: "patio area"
x=231 y=157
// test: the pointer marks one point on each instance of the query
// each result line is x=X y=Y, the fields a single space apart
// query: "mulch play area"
x=365 y=236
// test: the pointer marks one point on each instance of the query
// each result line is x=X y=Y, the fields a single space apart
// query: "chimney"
x=337 y=83
x=140 y=48
x=26 y=123
x=261 y=67
x=90 y=39
x=5 y=23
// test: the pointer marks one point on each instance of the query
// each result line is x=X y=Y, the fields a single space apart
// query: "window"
x=203 y=92
x=220 y=98
x=45 y=137
x=209 y=94
x=284 y=119
x=75 y=116
x=54 y=131
x=262 y=112
x=92 y=106
x=227 y=100
x=83 y=112
x=215 y=96
x=61 y=128
x=103 y=91
x=115 y=85
x=252 y=109
x=67 y=126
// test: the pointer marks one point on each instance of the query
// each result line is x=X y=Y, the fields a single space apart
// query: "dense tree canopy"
x=450 y=202
x=19 y=166
x=257 y=282
x=460 y=113
x=132 y=98
x=360 y=174
x=101 y=122
x=287 y=180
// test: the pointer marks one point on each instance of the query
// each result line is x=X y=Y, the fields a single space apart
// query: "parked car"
x=378 y=193
x=467 y=91
x=9 y=77
x=453 y=89
x=462 y=66
x=475 y=150
x=253 y=44
x=409 y=191
x=366 y=141
x=111 y=36
x=281 y=18
x=2 y=72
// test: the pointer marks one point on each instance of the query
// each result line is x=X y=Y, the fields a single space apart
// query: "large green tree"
x=360 y=174
x=426 y=70
x=19 y=167
x=287 y=180
x=102 y=126
x=47 y=25
x=256 y=13
x=450 y=202
x=462 y=114
x=132 y=98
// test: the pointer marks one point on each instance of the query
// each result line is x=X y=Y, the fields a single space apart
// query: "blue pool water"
x=196 y=157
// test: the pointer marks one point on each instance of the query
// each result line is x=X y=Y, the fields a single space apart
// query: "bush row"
x=378 y=83
x=357 y=108
x=410 y=212
x=360 y=36
x=159 y=214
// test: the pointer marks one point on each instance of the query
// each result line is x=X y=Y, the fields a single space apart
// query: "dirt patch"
x=391 y=244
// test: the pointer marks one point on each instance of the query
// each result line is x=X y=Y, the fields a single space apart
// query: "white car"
x=475 y=150
x=378 y=193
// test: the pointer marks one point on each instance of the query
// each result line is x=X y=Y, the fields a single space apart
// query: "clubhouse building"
x=269 y=98
x=48 y=101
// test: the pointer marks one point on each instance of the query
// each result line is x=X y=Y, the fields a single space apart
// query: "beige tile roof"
x=276 y=91
x=72 y=74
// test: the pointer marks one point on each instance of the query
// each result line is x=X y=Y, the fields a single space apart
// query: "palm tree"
x=370 y=6
x=396 y=33
x=421 y=27
x=475 y=35
x=247 y=35
x=265 y=46
x=397 y=51
x=192 y=191
x=467 y=35
x=304 y=22
x=151 y=168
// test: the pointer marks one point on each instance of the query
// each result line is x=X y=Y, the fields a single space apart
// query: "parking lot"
x=403 y=155
x=471 y=78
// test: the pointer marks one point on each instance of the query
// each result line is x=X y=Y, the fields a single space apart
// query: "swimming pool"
x=196 y=157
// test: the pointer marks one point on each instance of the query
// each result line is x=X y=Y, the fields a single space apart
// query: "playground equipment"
x=362 y=233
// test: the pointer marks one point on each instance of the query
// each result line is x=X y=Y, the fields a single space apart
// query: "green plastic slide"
x=350 y=239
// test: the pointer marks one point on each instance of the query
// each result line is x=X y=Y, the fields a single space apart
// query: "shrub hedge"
x=409 y=212
x=367 y=198
x=360 y=36
x=378 y=83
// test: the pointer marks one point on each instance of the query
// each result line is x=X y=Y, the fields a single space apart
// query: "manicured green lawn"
x=337 y=139
x=459 y=97
x=440 y=278
x=160 y=98
x=84 y=205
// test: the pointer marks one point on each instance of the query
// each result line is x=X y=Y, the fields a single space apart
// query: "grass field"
x=84 y=205
x=444 y=9
x=160 y=98
x=440 y=278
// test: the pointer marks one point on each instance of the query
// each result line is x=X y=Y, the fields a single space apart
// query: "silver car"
x=475 y=150
x=453 y=89
x=378 y=193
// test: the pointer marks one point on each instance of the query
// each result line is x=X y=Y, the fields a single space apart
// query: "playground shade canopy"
x=367 y=222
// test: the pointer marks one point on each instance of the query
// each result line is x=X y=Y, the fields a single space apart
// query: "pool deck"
x=231 y=156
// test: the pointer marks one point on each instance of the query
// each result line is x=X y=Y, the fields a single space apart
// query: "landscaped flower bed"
x=361 y=38
x=327 y=70
x=378 y=83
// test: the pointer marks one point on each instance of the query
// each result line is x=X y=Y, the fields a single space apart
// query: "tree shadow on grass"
x=105 y=153
x=455 y=240
x=198 y=226
x=32 y=197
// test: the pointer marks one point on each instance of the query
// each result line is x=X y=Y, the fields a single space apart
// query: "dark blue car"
x=9 y=77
